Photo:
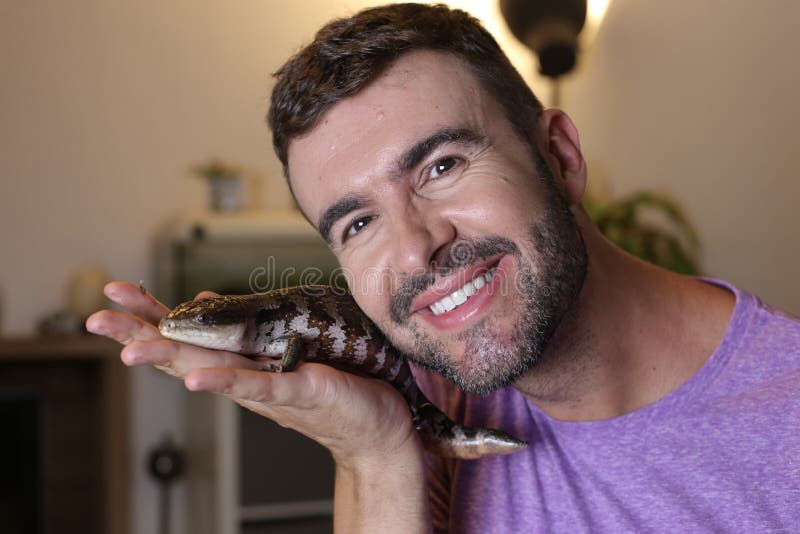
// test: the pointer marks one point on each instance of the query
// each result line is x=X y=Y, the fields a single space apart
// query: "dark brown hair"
x=348 y=53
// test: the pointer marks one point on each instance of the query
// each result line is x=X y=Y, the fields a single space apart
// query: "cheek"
x=370 y=284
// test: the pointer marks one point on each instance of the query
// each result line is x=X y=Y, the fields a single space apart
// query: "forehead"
x=358 y=139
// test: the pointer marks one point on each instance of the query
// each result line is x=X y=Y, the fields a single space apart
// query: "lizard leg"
x=295 y=347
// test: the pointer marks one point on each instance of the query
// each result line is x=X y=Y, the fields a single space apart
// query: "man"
x=651 y=401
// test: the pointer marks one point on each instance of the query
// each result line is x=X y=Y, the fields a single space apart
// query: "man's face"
x=453 y=240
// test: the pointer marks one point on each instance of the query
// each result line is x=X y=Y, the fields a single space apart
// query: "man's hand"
x=364 y=422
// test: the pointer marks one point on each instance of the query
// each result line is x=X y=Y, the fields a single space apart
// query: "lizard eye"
x=203 y=318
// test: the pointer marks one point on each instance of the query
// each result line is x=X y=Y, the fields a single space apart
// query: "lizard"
x=323 y=324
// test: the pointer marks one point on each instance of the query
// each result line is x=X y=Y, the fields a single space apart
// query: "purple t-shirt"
x=721 y=453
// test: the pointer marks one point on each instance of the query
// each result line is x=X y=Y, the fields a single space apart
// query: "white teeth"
x=460 y=296
x=448 y=303
x=470 y=289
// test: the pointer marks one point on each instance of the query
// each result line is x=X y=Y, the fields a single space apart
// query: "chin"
x=479 y=363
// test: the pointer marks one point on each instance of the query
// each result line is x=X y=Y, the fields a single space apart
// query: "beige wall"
x=105 y=105
x=698 y=99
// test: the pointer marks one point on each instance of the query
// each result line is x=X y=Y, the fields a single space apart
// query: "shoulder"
x=760 y=350
x=755 y=322
x=766 y=328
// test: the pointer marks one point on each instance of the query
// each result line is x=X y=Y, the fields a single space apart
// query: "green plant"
x=216 y=169
x=649 y=226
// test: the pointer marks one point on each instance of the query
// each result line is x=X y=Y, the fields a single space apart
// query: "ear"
x=560 y=146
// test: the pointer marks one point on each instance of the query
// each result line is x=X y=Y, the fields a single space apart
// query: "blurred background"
x=115 y=118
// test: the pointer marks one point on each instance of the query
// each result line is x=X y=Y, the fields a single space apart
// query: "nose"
x=420 y=235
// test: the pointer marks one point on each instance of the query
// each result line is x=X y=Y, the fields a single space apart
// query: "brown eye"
x=203 y=318
x=443 y=166
x=355 y=227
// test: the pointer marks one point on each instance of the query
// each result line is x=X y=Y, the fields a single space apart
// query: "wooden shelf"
x=67 y=346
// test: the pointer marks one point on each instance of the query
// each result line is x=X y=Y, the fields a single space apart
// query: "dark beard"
x=549 y=284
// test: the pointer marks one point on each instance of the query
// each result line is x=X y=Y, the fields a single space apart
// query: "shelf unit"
x=246 y=475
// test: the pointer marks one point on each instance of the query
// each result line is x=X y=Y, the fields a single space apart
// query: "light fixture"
x=551 y=29
x=548 y=27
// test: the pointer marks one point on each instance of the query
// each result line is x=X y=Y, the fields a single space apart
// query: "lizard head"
x=214 y=322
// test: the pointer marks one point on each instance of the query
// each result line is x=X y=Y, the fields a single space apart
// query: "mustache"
x=461 y=254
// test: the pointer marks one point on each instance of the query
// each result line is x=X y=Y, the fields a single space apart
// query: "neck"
x=636 y=333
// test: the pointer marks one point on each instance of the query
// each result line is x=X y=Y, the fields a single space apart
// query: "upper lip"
x=446 y=285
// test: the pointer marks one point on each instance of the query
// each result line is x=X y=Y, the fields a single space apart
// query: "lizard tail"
x=443 y=437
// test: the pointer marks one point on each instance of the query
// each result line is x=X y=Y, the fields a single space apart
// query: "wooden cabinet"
x=64 y=462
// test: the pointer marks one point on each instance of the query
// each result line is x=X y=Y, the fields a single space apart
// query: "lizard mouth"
x=220 y=337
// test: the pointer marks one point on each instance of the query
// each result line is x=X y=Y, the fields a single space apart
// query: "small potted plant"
x=225 y=183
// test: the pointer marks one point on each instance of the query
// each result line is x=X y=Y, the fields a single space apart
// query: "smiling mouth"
x=462 y=294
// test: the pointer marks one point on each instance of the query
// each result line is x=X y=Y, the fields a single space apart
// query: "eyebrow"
x=406 y=162
x=420 y=151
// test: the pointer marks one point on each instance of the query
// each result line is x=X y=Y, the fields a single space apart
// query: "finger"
x=121 y=327
x=205 y=295
x=179 y=359
x=297 y=389
x=131 y=297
